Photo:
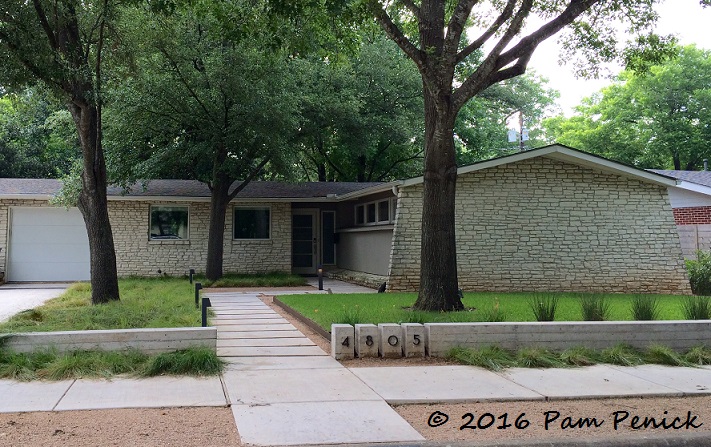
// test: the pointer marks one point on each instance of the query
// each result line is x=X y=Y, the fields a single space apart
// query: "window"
x=360 y=214
x=384 y=211
x=328 y=239
x=377 y=212
x=252 y=223
x=168 y=222
x=371 y=213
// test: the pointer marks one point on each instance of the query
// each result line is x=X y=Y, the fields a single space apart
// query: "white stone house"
x=548 y=219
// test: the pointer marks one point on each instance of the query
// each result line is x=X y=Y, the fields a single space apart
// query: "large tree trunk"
x=93 y=203
x=438 y=261
x=219 y=199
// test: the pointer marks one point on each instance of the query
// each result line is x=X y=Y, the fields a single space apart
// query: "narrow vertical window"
x=328 y=242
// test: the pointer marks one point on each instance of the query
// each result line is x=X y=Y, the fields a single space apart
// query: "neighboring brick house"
x=548 y=219
x=691 y=203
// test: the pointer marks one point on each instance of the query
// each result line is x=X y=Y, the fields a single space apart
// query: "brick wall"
x=697 y=215
x=136 y=255
x=542 y=225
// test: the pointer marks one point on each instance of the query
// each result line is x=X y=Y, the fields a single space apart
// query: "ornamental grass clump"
x=544 y=307
x=697 y=308
x=645 y=308
x=594 y=307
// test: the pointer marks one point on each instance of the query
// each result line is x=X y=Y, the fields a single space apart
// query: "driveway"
x=15 y=298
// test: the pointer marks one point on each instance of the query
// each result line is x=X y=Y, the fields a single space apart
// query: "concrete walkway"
x=284 y=390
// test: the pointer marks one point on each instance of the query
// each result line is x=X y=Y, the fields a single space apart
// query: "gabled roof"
x=195 y=190
x=568 y=155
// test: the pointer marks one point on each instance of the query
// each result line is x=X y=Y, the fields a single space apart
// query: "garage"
x=47 y=244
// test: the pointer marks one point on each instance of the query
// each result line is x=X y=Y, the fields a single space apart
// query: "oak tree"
x=432 y=33
x=62 y=44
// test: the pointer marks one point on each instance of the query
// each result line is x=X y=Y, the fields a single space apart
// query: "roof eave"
x=368 y=191
x=694 y=187
x=562 y=153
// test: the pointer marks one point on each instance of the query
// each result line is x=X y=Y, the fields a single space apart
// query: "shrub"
x=645 y=308
x=697 y=308
x=699 y=270
x=544 y=307
x=595 y=307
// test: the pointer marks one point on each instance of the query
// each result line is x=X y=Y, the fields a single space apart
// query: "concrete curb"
x=677 y=440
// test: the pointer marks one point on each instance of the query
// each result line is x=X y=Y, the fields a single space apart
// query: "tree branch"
x=249 y=178
x=397 y=162
x=492 y=69
x=185 y=82
x=486 y=35
x=394 y=33
x=45 y=24
x=412 y=7
x=456 y=25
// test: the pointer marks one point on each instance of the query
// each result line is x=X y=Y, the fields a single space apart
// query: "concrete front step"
x=238 y=335
x=254 y=327
x=268 y=342
x=285 y=362
x=247 y=321
x=288 y=351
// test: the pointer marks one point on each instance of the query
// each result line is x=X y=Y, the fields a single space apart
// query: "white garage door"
x=47 y=244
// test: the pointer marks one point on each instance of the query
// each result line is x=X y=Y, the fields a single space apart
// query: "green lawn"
x=145 y=303
x=392 y=308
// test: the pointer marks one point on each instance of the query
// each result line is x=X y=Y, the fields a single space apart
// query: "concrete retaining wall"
x=439 y=338
x=678 y=335
x=150 y=341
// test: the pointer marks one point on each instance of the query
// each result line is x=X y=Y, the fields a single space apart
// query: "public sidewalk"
x=284 y=390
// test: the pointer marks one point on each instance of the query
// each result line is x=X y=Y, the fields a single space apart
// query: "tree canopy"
x=659 y=118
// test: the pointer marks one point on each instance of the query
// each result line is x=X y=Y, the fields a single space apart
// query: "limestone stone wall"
x=137 y=255
x=545 y=225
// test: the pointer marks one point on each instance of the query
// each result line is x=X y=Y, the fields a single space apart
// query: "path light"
x=192 y=272
x=198 y=287
x=205 y=304
x=320 y=277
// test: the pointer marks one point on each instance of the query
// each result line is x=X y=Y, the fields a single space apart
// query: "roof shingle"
x=194 y=188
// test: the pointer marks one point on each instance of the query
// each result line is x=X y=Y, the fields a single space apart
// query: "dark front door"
x=303 y=242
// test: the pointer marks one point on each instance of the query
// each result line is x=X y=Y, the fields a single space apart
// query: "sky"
x=684 y=18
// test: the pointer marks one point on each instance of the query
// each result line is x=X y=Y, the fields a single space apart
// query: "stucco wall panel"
x=542 y=225
x=365 y=251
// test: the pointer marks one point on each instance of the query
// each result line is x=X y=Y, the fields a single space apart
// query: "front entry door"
x=303 y=242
